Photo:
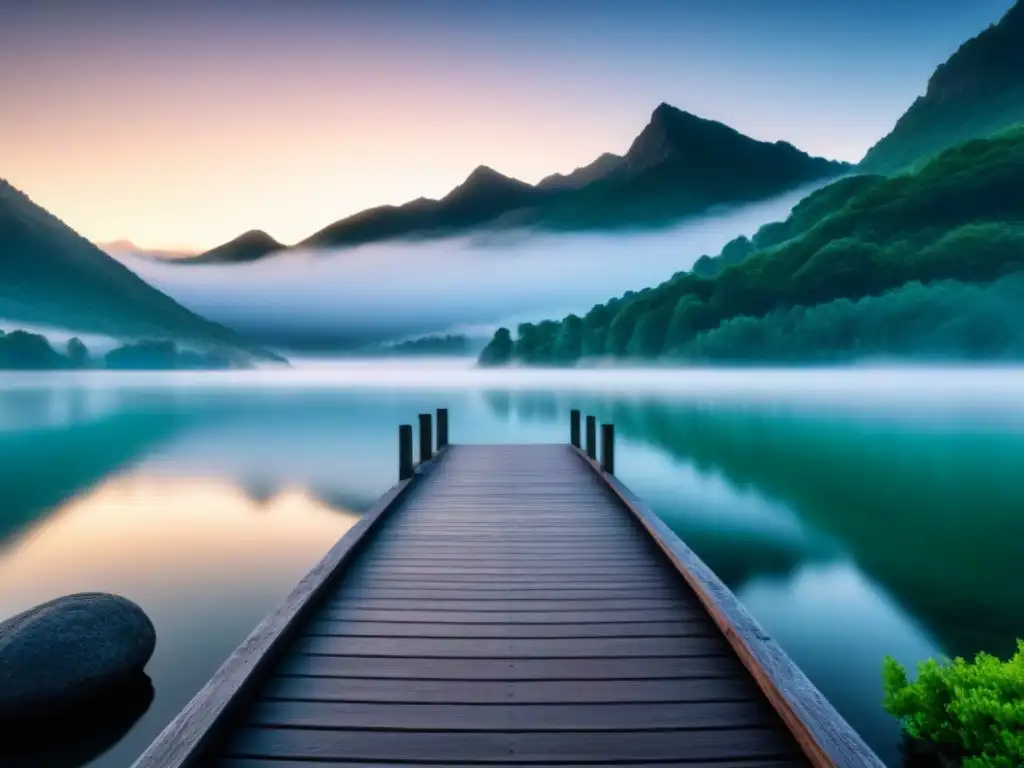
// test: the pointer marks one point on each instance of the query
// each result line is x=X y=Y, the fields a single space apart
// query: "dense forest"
x=450 y=344
x=869 y=265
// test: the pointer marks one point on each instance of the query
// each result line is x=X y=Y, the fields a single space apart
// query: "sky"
x=179 y=125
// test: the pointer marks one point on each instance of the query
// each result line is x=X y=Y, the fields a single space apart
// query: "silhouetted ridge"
x=252 y=245
x=680 y=165
x=978 y=91
x=52 y=276
x=583 y=175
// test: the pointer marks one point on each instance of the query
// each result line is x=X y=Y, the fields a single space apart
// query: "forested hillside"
x=959 y=218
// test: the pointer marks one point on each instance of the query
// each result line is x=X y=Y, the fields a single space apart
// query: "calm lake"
x=856 y=513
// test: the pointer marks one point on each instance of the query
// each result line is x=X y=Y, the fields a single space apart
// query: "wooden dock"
x=512 y=605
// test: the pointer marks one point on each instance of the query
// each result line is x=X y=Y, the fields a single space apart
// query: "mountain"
x=978 y=91
x=680 y=165
x=579 y=178
x=250 y=246
x=930 y=264
x=482 y=197
x=51 y=276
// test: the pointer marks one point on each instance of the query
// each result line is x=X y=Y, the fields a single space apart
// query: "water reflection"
x=875 y=515
x=82 y=737
x=850 y=533
x=205 y=562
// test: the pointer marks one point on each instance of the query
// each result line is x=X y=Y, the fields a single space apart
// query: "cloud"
x=326 y=299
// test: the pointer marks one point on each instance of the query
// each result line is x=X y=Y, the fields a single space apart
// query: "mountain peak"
x=257 y=237
x=485 y=173
x=248 y=246
x=979 y=90
x=665 y=111
x=671 y=133
x=485 y=180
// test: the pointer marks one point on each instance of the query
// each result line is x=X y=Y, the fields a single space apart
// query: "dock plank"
x=510 y=630
x=488 y=648
x=436 y=668
x=511 y=611
x=503 y=606
x=521 y=618
x=672 y=689
x=511 y=718
x=564 y=748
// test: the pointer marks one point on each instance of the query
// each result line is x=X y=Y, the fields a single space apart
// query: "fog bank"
x=323 y=300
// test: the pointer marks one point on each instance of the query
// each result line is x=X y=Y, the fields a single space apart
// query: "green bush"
x=969 y=710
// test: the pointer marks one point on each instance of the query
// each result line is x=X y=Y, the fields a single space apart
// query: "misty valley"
x=681 y=432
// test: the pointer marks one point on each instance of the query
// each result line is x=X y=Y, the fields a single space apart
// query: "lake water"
x=856 y=513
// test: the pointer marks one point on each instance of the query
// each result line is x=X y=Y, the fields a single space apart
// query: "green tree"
x=648 y=339
x=499 y=349
x=569 y=339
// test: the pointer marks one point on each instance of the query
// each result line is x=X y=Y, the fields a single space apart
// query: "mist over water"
x=321 y=300
x=856 y=512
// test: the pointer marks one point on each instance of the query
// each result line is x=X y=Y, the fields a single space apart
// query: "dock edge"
x=183 y=741
x=823 y=735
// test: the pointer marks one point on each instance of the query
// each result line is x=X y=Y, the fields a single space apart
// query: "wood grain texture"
x=537 y=718
x=635 y=616
x=183 y=741
x=563 y=748
x=825 y=737
x=418 y=668
x=503 y=606
x=488 y=648
x=473 y=593
x=510 y=630
x=364 y=689
x=510 y=610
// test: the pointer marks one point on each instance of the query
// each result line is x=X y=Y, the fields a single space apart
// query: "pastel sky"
x=182 y=124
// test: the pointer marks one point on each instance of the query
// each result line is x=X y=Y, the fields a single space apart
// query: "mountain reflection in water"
x=855 y=513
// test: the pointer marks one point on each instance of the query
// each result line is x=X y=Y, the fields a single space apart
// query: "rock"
x=71 y=651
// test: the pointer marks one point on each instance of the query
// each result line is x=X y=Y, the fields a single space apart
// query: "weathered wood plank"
x=523 y=631
x=504 y=606
x=514 y=612
x=497 y=748
x=510 y=691
x=418 y=668
x=553 y=571
x=460 y=648
x=512 y=582
x=825 y=737
x=521 y=618
x=511 y=717
x=525 y=558
x=182 y=742
x=581 y=593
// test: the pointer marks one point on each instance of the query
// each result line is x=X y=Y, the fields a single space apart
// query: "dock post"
x=442 y=428
x=574 y=428
x=608 y=448
x=592 y=437
x=426 y=438
x=405 y=452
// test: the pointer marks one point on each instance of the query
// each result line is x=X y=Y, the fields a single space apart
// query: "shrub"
x=969 y=710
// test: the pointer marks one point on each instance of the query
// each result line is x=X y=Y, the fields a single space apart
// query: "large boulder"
x=70 y=651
